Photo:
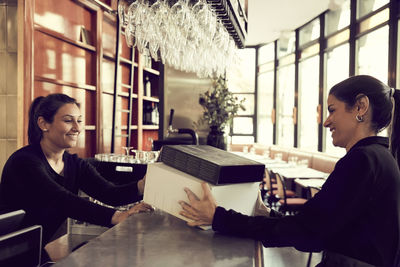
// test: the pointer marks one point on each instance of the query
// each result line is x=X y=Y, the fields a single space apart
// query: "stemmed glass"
x=127 y=149
x=184 y=34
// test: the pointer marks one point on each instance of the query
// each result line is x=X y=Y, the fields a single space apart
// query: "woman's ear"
x=362 y=104
x=43 y=125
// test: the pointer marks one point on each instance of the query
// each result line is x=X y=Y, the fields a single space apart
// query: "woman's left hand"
x=141 y=207
x=200 y=211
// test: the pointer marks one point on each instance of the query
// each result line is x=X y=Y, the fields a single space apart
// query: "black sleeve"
x=29 y=186
x=92 y=183
x=272 y=231
x=340 y=201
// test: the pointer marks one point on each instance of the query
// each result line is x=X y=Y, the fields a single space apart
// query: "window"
x=337 y=69
x=308 y=103
x=241 y=81
x=309 y=32
x=285 y=106
x=265 y=104
x=338 y=19
x=286 y=43
x=375 y=43
x=266 y=53
x=365 y=7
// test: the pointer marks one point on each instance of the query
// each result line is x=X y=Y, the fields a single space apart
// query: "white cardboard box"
x=165 y=187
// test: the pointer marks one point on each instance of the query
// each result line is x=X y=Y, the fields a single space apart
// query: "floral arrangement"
x=219 y=105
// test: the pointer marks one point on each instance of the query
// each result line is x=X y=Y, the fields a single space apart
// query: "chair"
x=287 y=204
x=21 y=247
x=271 y=188
x=272 y=193
x=314 y=190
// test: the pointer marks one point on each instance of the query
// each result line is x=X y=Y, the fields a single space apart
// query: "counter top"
x=159 y=239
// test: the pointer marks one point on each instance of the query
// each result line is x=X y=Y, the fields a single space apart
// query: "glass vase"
x=217 y=138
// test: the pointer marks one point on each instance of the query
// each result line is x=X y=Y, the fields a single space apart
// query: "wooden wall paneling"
x=125 y=72
x=107 y=79
x=107 y=101
x=65 y=17
x=126 y=52
x=117 y=72
x=90 y=108
x=149 y=135
x=62 y=61
x=123 y=109
x=100 y=141
x=134 y=139
x=139 y=90
x=131 y=53
x=109 y=33
x=25 y=59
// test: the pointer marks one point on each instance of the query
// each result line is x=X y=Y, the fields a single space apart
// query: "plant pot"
x=217 y=138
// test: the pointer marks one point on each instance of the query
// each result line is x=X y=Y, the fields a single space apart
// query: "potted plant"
x=219 y=108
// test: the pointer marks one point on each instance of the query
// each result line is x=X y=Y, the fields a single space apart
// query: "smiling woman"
x=44 y=179
x=354 y=218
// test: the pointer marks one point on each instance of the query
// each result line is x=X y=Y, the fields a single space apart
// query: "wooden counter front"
x=159 y=239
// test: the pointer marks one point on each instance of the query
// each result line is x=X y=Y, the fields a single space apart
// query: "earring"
x=44 y=130
x=359 y=118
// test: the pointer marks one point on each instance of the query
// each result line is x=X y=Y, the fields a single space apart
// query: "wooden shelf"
x=109 y=55
x=90 y=127
x=63 y=38
x=150 y=127
x=108 y=92
x=152 y=71
x=64 y=83
x=124 y=60
x=125 y=94
x=125 y=85
x=151 y=99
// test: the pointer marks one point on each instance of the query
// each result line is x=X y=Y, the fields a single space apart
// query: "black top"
x=29 y=183
x=356 y=213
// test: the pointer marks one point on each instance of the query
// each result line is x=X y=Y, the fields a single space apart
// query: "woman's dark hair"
x=380 y=99
x=395 y=127
x=45 y=107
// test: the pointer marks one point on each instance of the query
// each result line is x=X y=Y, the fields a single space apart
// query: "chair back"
x=267 y=180
x=281 y=190
x=314 y=190
x=22 y=247
x=11 y=221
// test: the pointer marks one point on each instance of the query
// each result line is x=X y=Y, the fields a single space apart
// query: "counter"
x=159 y=239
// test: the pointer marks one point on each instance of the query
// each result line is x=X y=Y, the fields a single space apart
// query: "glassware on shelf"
x=137 y=156
x=179 y=33
x=127 y=149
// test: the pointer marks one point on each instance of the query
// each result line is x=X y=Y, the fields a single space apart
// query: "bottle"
x=153 y=114
x=146 y=113
x=149 y=112
x=157 y=116
x=147 y=86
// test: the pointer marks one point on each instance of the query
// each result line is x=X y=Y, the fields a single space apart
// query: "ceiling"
x=268 y=19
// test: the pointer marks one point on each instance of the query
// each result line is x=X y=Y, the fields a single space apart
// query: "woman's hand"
x=120 y=216
x=140 y=185
x=141 y=207
x=200 y=211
